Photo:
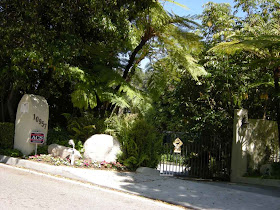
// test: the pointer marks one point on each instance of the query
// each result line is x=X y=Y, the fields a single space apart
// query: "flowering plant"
x=57 y=161
x=113 y=165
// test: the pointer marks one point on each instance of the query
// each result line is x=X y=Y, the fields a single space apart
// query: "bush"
x=11 y=152
x=141 y=144
x=41 y=149
x=7 y=131
x=59 y=136
x=81 y=128
x=276 y=169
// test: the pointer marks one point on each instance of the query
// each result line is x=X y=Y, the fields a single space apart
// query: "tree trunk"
x=277 y=101
x=147 y=36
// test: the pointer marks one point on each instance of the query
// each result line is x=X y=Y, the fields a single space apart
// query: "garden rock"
x=101 y=147
x=57 y=150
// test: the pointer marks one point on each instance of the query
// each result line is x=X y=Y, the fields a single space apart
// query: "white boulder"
x=57 y=150
x=101 y=147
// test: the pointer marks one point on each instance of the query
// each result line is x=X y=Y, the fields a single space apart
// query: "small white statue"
x=61 y=151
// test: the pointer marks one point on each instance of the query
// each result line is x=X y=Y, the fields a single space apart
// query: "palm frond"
x=178 y=4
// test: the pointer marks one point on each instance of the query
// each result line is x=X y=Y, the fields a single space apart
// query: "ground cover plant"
x=82 y=163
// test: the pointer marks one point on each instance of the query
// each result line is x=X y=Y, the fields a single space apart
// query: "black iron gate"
x=206 y=158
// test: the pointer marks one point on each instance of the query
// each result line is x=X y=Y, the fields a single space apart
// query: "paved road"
x=21 y=189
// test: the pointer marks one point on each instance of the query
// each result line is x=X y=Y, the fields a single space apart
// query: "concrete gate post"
x=239 y=145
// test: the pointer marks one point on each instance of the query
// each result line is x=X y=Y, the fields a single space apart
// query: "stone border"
x=41 y=167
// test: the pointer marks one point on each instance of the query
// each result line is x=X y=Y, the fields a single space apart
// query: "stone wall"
x=262 y=142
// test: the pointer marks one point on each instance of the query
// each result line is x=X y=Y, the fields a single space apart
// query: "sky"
x=195 y=6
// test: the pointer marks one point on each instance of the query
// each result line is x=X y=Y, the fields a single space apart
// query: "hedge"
x=7 y=131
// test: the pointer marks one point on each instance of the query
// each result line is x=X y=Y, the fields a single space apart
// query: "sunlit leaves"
x=176 y=3
x=218 y=21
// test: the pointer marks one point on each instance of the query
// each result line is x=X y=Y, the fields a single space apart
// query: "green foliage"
x=7 y=131
x=218 y=22
x=62 y=46
x=119 y=126
x=11 y=152
x=140 y=141
x=201 y=109
x=83 y=100
x=176 y=3
x=253 y=51
x=79 y=146
x=276 y=169
x=275 y=172
x=41 y=149
x=169 y=158
x=86 y=55
x=175 y=51
x=59 y=136
x=76 y=54
x=142 y=146
x=81 y=128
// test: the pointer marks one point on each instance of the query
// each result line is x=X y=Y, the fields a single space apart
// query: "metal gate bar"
x=207 y=158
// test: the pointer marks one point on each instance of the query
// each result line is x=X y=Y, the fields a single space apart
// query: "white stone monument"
x=31 y=120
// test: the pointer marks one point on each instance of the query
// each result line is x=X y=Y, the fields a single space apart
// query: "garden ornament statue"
x=177 y=145
x=72 y=143
x=64 y=152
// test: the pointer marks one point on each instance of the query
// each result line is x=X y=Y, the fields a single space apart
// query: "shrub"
x=41 y=149
x=276 y=169
x=81 y=128
x=7 y=131
x=11 y=152
x=59 y=136
x=141 y=144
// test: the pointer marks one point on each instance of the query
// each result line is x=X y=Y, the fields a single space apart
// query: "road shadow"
x=201 y=195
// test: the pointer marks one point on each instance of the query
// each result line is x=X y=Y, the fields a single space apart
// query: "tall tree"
x=156 y=34
x=259 y=36
x=46 y=44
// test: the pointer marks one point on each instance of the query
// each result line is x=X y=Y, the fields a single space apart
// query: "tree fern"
x=177 y=3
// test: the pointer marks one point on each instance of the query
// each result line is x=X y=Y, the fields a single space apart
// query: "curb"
x=40 y=167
